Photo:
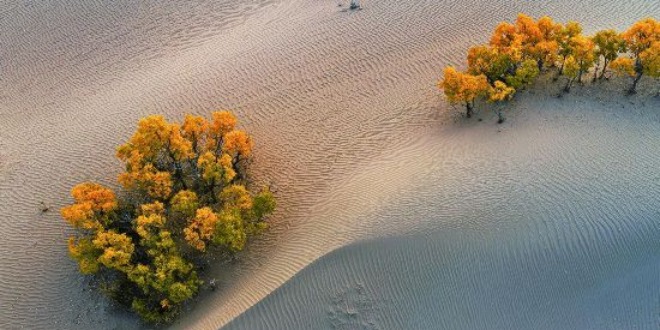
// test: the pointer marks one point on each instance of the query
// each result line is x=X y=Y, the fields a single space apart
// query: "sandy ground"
x=500 y=232
x=348 y=127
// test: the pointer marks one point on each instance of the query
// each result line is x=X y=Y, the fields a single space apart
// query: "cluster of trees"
x=184 y=194
x=518 y=53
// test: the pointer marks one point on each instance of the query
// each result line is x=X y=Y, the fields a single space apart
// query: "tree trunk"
x=500 y=117
x=579 y=77
x=602 y=73
x=468 y=106
x=567 y=88
x=633 y=88
x=561 y=67
x=178 y=173
x=639 y=70
x=595 y=72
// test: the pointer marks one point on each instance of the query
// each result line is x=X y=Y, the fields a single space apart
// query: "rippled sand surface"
x=359 y=145
x=549 y=222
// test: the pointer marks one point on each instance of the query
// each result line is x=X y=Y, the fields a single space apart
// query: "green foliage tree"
x=183 y=192
x=525 y=74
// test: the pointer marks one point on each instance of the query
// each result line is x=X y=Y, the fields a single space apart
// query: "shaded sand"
x=341 y=105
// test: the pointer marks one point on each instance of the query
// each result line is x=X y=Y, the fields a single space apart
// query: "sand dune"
x=556 y=234
x=342 y=105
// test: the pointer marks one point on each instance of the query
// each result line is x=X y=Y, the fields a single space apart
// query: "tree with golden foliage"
x=566 y=42
x=641 y=40
x=533 y=46
x=498 y=93
x=463 y=88
x=571 y=71
x=490 y=62
x=517 y=53
x=583 y=53
x=524 y=75
x=184 y=192
x=547 y=50
x=608 y=45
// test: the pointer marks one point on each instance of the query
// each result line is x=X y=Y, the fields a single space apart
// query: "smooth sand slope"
x=347 y=122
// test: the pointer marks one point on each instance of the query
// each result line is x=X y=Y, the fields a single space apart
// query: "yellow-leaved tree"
x=608 y=45
x=566 y=42
x=463 y=88
x=517 y=53
x=500 y=92
x=184 y=192
x=641 y=40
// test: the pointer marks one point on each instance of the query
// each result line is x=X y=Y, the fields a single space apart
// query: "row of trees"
x=517 y=53
x=184 y=194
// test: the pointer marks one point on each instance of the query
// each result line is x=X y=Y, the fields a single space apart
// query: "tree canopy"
x=518 y=52
x=184 y=193
x=463 y=87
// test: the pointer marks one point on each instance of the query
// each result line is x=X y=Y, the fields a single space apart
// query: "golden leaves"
x=500 y=92
x=650 y=59
x=462 y=87
x=641 y=35
x=236 y=196
x=505 y=38
x=93 y=203
x=97 y=196
x=223 y=123
x=200 y=228
x=194 y=127
x=583 y=51
x=117 y=249
x=157 y=184
x=238 y=142
x=177 y=177
x=623 y=66
x=80 y=216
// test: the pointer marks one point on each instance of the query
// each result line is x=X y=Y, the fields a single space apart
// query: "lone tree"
x=184 y=192
x=463 y=88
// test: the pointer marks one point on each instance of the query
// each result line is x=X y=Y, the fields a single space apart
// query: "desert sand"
x=549 y=220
